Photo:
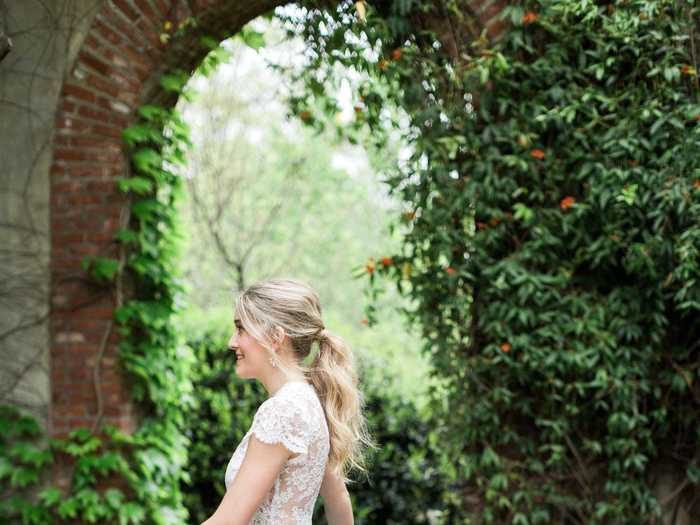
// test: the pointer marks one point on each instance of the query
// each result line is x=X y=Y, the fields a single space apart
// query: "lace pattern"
x=294 y=417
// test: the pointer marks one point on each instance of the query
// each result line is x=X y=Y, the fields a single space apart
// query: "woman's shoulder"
x=291 y=395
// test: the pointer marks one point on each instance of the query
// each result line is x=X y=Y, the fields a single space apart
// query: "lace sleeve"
x=282 y=421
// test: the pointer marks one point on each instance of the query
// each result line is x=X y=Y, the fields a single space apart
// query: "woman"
x=310 y=430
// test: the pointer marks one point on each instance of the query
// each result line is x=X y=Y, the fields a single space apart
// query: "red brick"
x=95 y=63
x=72 y=123
x=152 y=36
x=108 y=131
x=108 y=33
x=61 y=139
x=115 y=20
x=127 y=9
x=92 y=43
x=97 y=312
x=107 y=186
x=90 y=141
x=79 y=93
x=93 y=113
x=65 y=187
x=101 y=85
x=162 y=7
x=119 y=119
x=86 y=171
x=116 y=59
x=67 y=154
x=89 y=325
x=126 y=82
x=147 y=10
x=100 y=237
x=63 y=153
x=83 y=199
x=68 y=237
x=67 y=107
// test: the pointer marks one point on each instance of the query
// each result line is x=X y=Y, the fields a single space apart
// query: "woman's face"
x=251 y=358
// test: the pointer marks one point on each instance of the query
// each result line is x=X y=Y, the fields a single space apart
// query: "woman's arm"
x=336 y=499
x=261 y=466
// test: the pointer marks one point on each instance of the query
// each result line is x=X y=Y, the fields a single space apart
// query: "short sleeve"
x=282 y=420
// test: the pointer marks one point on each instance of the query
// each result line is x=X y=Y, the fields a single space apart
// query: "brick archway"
x=116 y=71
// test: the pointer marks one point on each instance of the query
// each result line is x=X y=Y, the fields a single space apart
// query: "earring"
x=273 y=362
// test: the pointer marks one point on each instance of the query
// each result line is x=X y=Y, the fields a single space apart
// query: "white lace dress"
x=294 y=417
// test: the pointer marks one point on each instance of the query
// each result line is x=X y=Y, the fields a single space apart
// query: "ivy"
x=550 y=237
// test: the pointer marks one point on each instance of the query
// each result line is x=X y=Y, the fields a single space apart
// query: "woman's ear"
x=279 y=336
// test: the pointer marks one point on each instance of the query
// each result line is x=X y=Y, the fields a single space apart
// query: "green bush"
x=223 y=412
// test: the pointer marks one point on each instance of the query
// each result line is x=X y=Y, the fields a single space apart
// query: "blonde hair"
x=294 y=306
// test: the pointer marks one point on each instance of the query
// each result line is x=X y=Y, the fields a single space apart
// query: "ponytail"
x=335 y=380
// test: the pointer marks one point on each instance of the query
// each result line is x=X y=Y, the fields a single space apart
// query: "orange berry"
x=386 y=261
x=494 y=221
x=383 y=64
x=696 y=184
x=567 y=202
x=305 y=115
x=529 y=17
x=364 y=322
x=537 y=154
x=450 y=270
x=396 y=54
x=370 y=265
x=505 y=347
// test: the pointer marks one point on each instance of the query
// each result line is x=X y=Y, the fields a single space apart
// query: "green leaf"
x=137 y=184
x=68 y=509
x=126 y=235
x=21 y=477
x=252 y=38
x=174 y=81
x=5 y=468
x=100 y=268
x=50 y=496
x=693 y=473
x=114 y=498
x=131 y=513
x=154 y=113
x=141 y=133
x=146 y=159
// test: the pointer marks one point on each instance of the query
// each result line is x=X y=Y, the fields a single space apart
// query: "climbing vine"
x=551 y=241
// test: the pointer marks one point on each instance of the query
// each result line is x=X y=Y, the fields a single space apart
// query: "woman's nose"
x=232 y=342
